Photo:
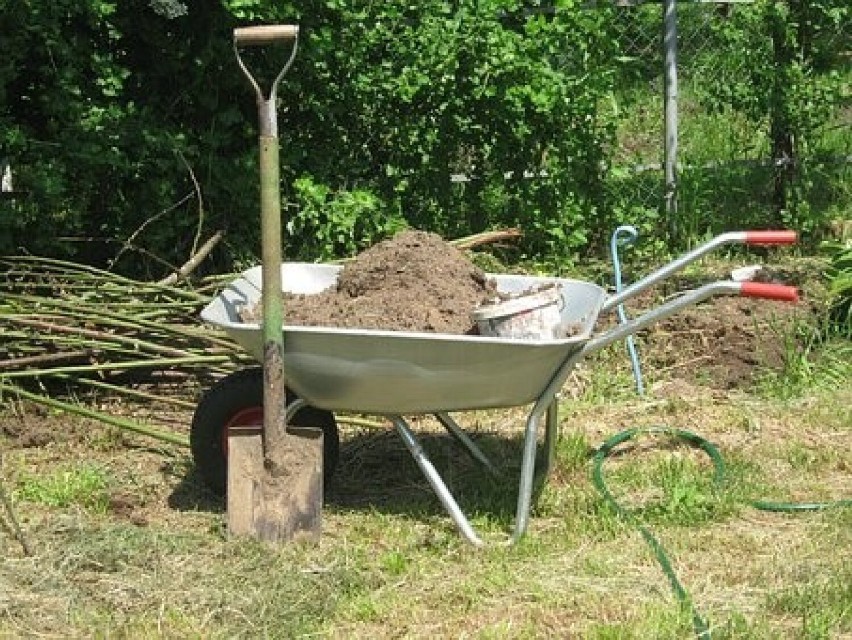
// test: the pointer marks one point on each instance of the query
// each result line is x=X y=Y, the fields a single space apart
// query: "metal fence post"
x=671 y=116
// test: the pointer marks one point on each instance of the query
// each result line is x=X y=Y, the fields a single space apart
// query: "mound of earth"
x=414 y=281
x=725 y=341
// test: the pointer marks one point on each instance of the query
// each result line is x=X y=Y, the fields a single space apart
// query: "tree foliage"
x=128 y=124
x=103 y=110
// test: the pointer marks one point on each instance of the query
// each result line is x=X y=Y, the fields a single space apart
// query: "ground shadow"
x=376 y=472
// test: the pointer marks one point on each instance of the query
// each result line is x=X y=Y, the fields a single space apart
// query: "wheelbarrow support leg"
x=435 y=481
x=546 y=405
x=475 y=452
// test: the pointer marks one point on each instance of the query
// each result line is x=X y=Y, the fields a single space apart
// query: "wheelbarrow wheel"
x=237 y=400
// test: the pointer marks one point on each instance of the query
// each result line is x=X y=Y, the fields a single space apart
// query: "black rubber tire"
x=241 y=391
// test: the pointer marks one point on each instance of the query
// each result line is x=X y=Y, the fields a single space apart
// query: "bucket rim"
x=520 y=304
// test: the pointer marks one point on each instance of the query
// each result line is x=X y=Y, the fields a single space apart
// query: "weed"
x=738 y=627
x=672 y=490
x=605 y=378
x=840 y=276
x=395 y=562
x=572 y=452
x=84 y=485
x=656 y=622
x=805 y=458
x=813 y=358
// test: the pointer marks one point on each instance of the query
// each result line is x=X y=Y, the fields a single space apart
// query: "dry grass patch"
x=142 y=552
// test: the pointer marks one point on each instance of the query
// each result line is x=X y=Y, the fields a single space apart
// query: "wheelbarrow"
x=398 y=373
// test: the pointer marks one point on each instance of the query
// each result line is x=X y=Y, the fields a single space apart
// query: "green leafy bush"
x=840 y=286
x=333 y=224
x=129 y=126
x=126 y=114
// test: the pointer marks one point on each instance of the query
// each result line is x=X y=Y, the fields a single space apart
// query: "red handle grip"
x=771 y=237
x=769 y=291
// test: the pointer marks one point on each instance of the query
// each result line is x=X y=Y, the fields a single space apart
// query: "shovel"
x=274 y=475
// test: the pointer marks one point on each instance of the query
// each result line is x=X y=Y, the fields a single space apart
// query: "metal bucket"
x=536 y=315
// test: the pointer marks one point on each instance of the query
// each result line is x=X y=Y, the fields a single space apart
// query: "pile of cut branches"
x=70 y=331
x=67 y=327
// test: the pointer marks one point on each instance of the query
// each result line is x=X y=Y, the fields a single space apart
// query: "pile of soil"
x=414 y=281
x=724 y=342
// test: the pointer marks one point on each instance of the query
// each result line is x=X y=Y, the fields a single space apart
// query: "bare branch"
x=200 y=224
x=12 y=526
x=487 y=237
x=127 y=245
x=191 y=264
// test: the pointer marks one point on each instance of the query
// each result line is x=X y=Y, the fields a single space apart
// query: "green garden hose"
x=700 y=626
x=702 y=630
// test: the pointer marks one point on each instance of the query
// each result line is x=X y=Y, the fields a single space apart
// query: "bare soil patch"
x=33 y=429
x=723 y=343
x=727 y=342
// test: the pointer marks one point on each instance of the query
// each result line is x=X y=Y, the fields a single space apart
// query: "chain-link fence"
x=731 y=171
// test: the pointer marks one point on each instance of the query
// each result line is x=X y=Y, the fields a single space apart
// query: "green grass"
x=656 y=622
x=821 y=605
x=396 y=567
x=390 y=564
x=84 y=485
x=809 y=363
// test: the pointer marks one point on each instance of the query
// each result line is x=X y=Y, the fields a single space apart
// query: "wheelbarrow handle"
x=262 y=35
x=780 y=292
x=731 y=237
x=771 y=237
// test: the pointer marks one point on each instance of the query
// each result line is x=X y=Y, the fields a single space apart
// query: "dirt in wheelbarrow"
x=415 y=281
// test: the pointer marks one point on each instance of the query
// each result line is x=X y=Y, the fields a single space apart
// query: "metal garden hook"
x=624 y=236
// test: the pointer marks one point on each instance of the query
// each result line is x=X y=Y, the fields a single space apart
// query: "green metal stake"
x=274 y=382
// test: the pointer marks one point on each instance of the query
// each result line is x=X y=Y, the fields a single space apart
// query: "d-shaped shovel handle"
x=261 y=36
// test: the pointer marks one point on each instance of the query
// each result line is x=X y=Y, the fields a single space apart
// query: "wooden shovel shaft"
x=274 y=383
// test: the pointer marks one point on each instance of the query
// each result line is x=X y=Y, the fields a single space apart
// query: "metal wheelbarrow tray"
x=394 y=373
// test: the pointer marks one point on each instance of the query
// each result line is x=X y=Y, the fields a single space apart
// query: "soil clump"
x=414 y=281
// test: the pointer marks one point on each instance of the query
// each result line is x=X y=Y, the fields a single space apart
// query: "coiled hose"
x=699 y=624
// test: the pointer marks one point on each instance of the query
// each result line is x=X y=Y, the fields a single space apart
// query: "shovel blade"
x=275 y=507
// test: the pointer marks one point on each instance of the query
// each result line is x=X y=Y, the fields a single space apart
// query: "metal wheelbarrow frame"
x=394 y=373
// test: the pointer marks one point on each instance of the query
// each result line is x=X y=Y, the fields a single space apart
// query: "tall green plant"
x=332 y=224
x=840 y=286
x=794 y=92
